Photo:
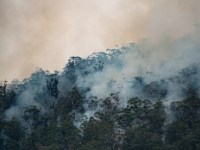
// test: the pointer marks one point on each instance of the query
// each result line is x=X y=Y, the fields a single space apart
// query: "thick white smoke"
x=149 y=70
x=153 y=62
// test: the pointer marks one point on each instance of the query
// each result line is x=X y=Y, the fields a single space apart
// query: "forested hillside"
x=121 y=99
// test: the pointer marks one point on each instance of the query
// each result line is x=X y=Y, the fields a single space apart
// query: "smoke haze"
x=161 y=70
x=46 y=33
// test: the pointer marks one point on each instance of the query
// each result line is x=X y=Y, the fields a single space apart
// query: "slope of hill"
x=141 y=96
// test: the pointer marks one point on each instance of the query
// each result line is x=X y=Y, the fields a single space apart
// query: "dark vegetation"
x=141 y=125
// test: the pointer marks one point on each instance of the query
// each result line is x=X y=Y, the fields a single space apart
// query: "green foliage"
x=1 y=144
x=94 y=145
x=102 y=132
x=6 y=98
x=141 y=138
x=139 y=126
x=52 y=87
x=184 y=133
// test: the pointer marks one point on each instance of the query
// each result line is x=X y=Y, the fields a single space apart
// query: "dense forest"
x=108 y=101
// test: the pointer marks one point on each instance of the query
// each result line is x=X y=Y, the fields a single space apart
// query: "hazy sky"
x=45 y=33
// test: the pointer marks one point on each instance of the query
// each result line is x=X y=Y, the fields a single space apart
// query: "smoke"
x=30 y=92
x=46 y=33
x=161 y=70
x=150 y=70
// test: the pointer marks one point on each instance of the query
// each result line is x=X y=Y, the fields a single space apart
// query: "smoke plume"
x=46 y=33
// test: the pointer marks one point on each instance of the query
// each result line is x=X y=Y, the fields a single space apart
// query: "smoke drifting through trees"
x=144 y=69
x=108 y=98
x=142 y=95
